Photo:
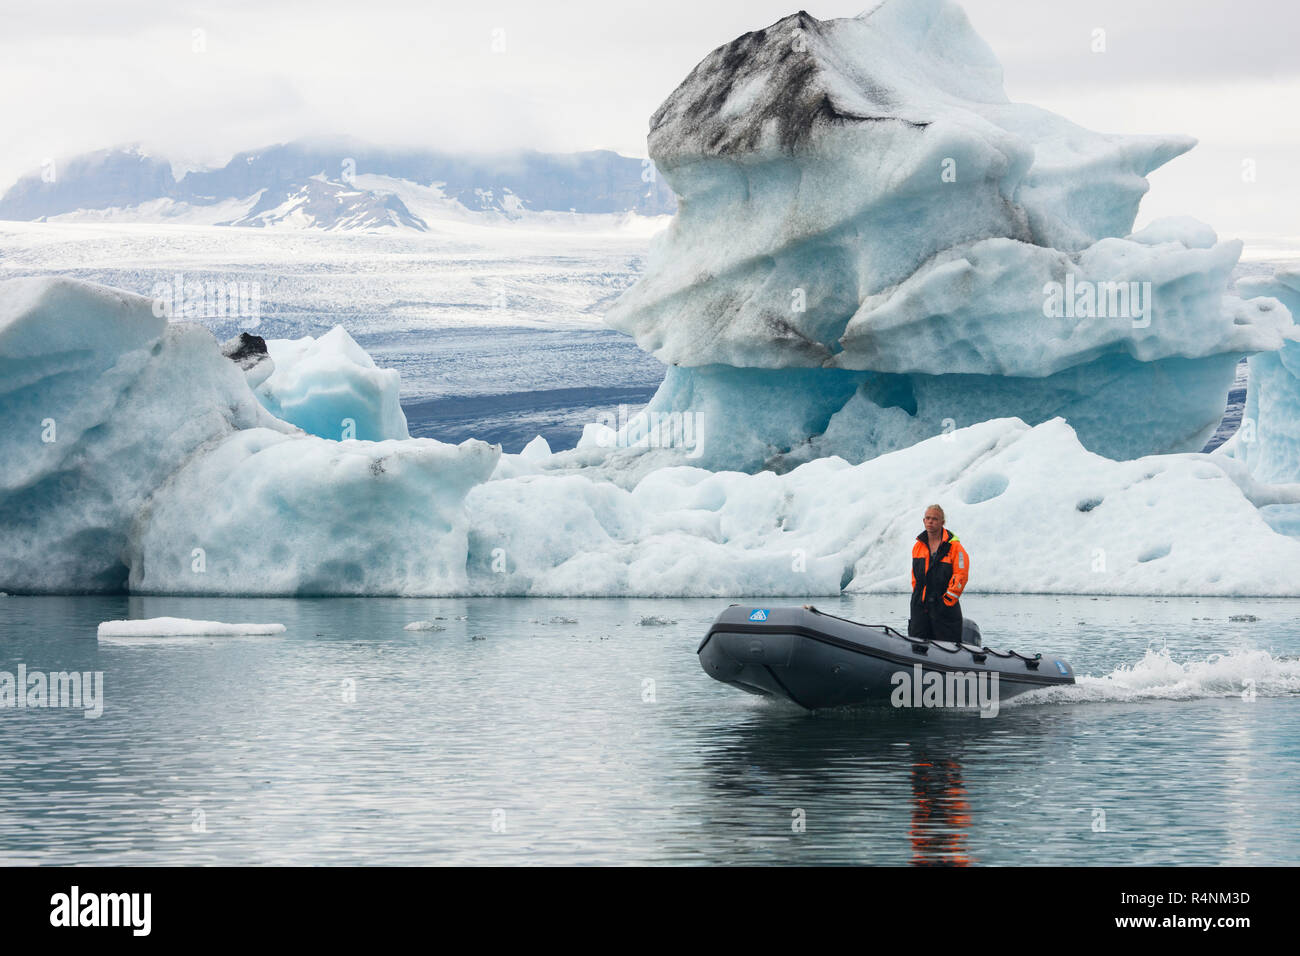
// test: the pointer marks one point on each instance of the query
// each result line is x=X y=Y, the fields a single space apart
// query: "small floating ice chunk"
x=423 y=626
x=183 y=627
x=1242 y=618
x=654 y=620
x=564 y=620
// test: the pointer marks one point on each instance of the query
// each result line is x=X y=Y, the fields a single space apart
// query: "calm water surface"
x=566 y=731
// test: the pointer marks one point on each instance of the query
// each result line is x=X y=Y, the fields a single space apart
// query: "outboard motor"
x=970 y=633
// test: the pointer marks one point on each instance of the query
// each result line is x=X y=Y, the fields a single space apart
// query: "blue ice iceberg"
x=331 y=387
x=135 y=453
x=859 y=196
x=1269 y=438
x=101 y=400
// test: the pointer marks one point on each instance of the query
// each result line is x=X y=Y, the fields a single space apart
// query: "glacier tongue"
x=860 y=194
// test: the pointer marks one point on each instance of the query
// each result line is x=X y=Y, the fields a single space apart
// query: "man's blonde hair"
x=942 y=516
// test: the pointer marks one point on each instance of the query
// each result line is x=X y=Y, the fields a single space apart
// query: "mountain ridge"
x=314 y=182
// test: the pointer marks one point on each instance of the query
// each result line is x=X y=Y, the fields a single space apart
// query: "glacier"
x=859 y=195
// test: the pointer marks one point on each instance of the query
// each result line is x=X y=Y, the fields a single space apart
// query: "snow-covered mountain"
x=321 y=204
x=317 y=184
x=109 y=178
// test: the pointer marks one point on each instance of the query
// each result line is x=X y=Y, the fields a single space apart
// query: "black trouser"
x=935 y=621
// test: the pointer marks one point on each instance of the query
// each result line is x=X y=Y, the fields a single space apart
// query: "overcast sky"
x=583 y=74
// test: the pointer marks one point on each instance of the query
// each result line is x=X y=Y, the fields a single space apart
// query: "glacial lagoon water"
x=544 y=731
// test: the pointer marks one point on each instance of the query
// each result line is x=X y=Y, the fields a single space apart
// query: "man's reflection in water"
x=940 y=814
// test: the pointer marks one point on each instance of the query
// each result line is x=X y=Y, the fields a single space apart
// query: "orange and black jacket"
x=942 y=579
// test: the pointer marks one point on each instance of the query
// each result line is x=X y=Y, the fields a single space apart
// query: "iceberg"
x=264 y=514
x=978 y=306
x=1037 y=511
x=874 y=245
x=1269 y=438
x=165 y=475
x=136 y=456
x=331 y=387
x=101 y=401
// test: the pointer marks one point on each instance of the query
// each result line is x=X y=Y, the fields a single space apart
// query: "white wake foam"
x=1157 y=676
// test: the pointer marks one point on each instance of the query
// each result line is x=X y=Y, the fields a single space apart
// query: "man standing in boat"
x=940 y=567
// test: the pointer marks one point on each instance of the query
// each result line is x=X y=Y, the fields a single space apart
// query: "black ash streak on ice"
x=691 y=122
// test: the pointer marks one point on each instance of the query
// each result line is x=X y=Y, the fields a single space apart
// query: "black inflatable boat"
x=819 y=660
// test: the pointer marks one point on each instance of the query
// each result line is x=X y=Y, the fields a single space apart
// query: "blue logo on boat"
x=1061 y=667
x=759 y=615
